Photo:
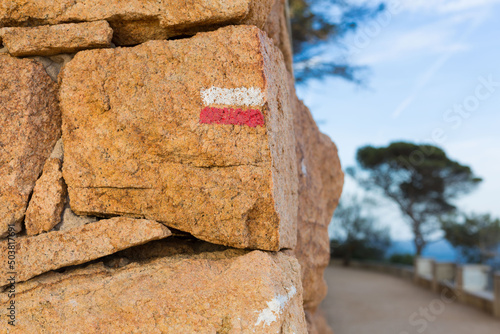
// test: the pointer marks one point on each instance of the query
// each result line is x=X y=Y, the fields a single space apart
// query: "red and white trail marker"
x=244 y=97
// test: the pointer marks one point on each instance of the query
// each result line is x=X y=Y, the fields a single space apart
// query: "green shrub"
x=406 y=259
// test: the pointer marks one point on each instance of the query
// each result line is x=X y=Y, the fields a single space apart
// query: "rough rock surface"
x=39 y=254
x=316 y=323
x=47 y=203
x=137 y=21
x=135 y=146
x=52 y=40
x=30 y=123
x=277 y=28
x=320 y=186
x=232 y=291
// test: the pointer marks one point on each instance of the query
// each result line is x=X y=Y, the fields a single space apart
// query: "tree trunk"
x=419 y=248
x=347 y=256
x=418 y=237
x=419 y=245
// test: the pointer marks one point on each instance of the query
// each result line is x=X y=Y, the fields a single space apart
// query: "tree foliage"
x=316 y=24
x=402 y=259
x=355 y=232
x=420 y=179
x=476 y=236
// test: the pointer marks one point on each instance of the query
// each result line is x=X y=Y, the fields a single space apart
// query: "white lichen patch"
x=233 y=96
x=275 y=308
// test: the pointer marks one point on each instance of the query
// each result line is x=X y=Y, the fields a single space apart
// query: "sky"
x=433 y=77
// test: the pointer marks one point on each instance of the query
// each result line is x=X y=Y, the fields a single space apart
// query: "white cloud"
x=442 y=36
x=429 y=74
x=438 y=35
x=430 y=40
x=442 y=6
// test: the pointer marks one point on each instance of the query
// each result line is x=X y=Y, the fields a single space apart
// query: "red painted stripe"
x=250 y=117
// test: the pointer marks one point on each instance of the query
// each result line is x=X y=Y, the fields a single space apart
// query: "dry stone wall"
x=158 y=173
x=30 y=123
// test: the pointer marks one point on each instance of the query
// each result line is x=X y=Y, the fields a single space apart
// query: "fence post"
x=415 y=269
x=435 y=278
x=442 y=271
x=496 y=306
x=423 y=270
x=459 y=283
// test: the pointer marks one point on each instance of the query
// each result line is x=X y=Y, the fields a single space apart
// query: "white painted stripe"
x=233 y=96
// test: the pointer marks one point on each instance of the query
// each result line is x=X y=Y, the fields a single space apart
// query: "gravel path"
x=363 y=302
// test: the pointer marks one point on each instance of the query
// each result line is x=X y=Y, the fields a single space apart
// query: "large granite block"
x=137 y=21
x=230 y=291
x=196 y=133
x=30 y=124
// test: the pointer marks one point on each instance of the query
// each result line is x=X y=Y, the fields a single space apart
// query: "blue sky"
x=434 y=77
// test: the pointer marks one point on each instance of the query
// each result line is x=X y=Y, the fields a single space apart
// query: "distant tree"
x=476 y=236
x=404 y=259
x=315 y=24
x=420 y=179
x=355 y=232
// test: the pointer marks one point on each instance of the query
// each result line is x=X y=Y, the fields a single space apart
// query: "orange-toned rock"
x=317 y=323
x=277 y=26
x=52 y=40
x=320 y=186
x=30 y=123
x=137 y=21
x=47 y=203
x=136 y=144
x=230 y=291
x=38 y=254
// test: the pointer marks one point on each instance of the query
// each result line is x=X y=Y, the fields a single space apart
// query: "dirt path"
x=363 y=302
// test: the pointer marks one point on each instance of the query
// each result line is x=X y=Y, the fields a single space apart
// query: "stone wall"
x=158 y=173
